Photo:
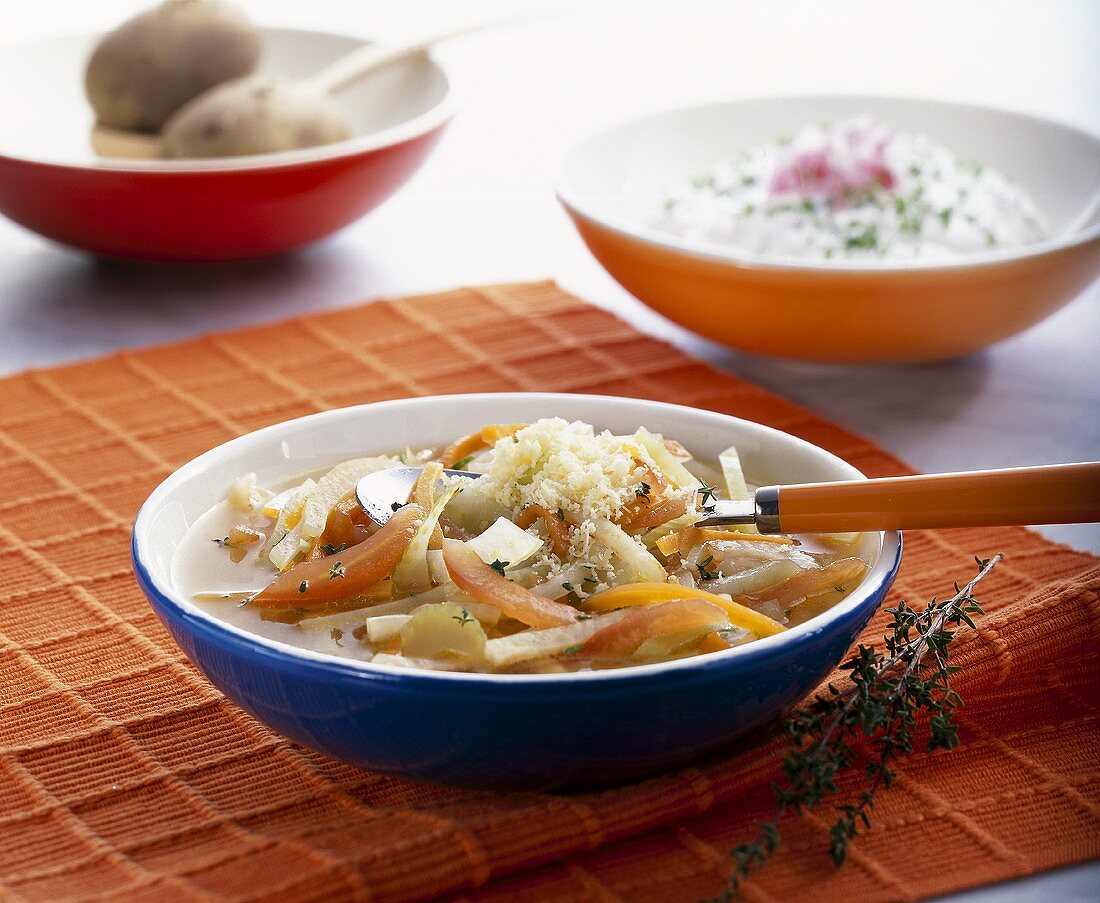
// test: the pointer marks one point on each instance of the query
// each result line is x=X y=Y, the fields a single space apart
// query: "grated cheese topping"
x=560 y=465
x=564 y=465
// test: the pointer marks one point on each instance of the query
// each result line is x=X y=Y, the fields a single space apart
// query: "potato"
x=255 y=115
x=151 y=65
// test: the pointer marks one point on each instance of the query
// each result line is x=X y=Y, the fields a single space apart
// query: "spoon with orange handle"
x=1053 y=494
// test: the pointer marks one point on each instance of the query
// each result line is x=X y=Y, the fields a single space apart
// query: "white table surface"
x=482 y=209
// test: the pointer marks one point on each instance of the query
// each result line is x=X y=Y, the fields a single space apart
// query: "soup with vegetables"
x=572 y=550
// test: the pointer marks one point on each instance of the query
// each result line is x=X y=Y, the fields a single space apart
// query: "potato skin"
x=254 y=115
x=151 y=65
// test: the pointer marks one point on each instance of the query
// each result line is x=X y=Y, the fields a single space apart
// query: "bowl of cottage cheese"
x=842 y=229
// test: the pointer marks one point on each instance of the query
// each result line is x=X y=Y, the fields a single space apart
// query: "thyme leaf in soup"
x=704 y=573
x=707 y=496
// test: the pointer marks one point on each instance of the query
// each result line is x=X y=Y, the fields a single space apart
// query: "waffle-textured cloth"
x=125 y=776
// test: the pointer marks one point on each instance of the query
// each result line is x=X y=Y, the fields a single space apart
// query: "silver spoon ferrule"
x=762 y=511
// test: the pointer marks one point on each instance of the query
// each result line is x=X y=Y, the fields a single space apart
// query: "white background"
x=482 y=209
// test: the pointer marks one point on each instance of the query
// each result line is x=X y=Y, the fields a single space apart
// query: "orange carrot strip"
x=641 y=624
x=422 y=493
x=241 y=536
x=556 y=528
x=631 y=594
x=653 y=507
x=474 y=576
x=712 y=642
x=313 y=584
x=688 y=538
x=655 y=515
x=486 y=437
x=347 y=526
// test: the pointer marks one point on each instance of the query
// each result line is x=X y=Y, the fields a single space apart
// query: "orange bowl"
x=53 y=182
x=875 y=312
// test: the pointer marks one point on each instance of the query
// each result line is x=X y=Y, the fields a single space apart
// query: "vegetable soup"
x=570 y=550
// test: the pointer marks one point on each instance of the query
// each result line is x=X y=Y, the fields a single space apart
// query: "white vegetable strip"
x=681 y=477
x=644 y=567
x=332 y=487
x=274 y=505
x=736 y=487
x=287 y=548
x=382 y=627
x=412 y=574
x=358 y=616
x=473 y=510
x=532 y=644
x=759 y=578
x=669 y=527
x=289 y=515
x=241 y=494
x=437 y=569
x=505 y=542
x=554 y=588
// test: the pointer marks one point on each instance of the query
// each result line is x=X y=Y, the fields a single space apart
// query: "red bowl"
x=52 y=182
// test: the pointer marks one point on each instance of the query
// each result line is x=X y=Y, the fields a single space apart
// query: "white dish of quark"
x=853 y=189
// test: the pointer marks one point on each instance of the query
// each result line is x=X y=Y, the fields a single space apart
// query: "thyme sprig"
x=889 y=691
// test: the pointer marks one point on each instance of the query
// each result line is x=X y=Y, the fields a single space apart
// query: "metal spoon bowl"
x=381 y=493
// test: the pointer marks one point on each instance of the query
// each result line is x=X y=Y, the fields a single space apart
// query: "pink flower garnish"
x=848 y=160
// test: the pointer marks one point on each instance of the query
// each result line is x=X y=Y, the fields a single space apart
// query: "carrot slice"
x=347 y=526
x=690 y=537
x=486 y=437
x=474 y=576
x=373 y=595
x=655 y=515
x=632 y=594
x=650 y=507
x=712 y=642
x=242 y=536
x=556 y=527
x=641 y=624
x=314 y=584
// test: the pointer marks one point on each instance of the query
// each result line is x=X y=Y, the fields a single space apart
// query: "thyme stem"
x=887 y=694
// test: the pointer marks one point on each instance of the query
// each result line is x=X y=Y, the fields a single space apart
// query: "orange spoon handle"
x=1056 y=494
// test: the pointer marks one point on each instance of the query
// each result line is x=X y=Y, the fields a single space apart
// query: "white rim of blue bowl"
x=883 y=570
x=584 y=206
x=359 y=144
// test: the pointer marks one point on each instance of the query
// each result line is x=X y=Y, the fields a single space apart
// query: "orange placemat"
x=125 y=776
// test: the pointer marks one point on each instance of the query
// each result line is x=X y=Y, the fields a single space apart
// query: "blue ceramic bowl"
x=498 y=731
